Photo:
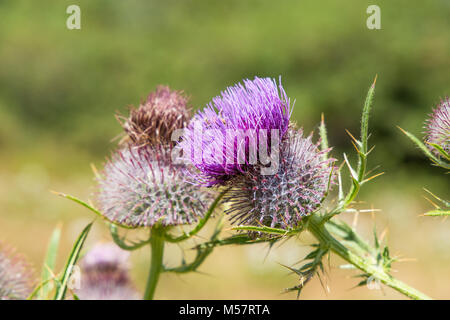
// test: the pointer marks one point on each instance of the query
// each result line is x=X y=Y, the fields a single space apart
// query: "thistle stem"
x=156 y=266
x=317 y=228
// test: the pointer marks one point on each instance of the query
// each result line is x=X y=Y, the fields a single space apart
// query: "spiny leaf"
x=261 y=229
x=88 y=206
x=441 y=151
x=375 y=236
x=323 y=136
x=425 y=150
x=437 y=212
x=365 y=117
x=352 y=171
x=341 y=191
x=202 y=253
x=444 y=202
x=120 y=242
x=202 y=221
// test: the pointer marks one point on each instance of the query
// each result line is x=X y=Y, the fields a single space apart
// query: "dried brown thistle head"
x=156 y=119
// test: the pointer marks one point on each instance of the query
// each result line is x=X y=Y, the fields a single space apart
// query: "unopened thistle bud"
x=157 y=118
x=16 y=276
x=140 y=187
x=105 y=274
x=438 y=127
x=282 y=199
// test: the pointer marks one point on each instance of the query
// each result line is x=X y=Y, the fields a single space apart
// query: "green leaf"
x=49 y=263
x=437 y=212
x=375 y=236
x=38 y=288
x=352 y=171
x=425 y=150
x=120 y=242
x=365 y=117
x=442 y=201
x=261 y=229
x=440 y=150
x=201 y=223
x=88 y=206
x=238 y=239
x=341 y=191
x=202 y=253
x=73 y=258
x=323 y=137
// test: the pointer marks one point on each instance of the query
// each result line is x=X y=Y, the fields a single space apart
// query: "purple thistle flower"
x=16 y=276
x=244 y=110
x=105 y=274
x=140 y=187
x=438 y=127
x=282 y=199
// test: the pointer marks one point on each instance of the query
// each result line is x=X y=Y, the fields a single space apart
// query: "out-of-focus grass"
x=60 y=88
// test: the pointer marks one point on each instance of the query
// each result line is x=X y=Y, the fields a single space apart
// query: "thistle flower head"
x=242 y=111
x=282 y=199
x=438 y=127
x=106 y=256
x=105 y=274
x=154 y=121
x=141 y=187
x=16 y=277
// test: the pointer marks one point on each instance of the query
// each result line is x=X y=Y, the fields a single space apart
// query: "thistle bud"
x=16 y=276
x=281 y=200
x=438 y=127
x=156 y=119
x=105 y=274
x=140 y=187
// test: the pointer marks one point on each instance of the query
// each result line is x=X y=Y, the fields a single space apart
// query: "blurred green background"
x=60 y=88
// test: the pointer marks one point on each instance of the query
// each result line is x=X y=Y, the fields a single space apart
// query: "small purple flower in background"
x=438 y=127
x=140 y=187
x=16 y=276
x=282 y=199
x=105 y=275
x=242 y=111
x=157 y=118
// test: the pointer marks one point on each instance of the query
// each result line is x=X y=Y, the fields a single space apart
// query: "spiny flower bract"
x=16 y=276
x=255 y=105
x=282 y=199
x=105 y=274
x=157 y=118
x=438 y=127
x=140 y=187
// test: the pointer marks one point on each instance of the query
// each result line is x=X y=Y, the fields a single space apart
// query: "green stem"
x=317 y=228
x=157 y=247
